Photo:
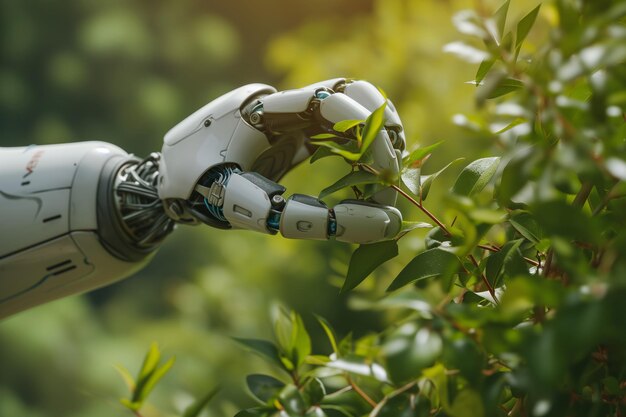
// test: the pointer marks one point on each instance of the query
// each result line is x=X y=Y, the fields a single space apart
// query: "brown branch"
x=359 y=391
x=413 y=201
x=484 y=278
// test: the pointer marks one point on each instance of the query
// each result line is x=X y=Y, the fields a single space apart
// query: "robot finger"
x=385 y=157
x=371 y=98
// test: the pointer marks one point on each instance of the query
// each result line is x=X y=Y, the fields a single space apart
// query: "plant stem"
x=413 y=201
x=493 y=248
x=359 y=391
x=484 y=278
x=583 y=194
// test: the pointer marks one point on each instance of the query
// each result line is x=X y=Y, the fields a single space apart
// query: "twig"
x=484 y=278
x=361 y=393
x=497 y=249
x=413 y=201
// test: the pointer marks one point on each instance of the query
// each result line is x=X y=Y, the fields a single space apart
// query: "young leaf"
x=300 y=340
x=417 y=155
x=265 y=349
x=407 y=226
x=518 y=121
x=339 y=150
x=500 y=17
x=475 y=176
x=330 y=333
x=505 y=86
x=431 y=263
x=483 y=69
x=345 y=125
x=145 y=387
x=353 y=178
x=427 y=180
x=126 y=376
x=524 y=26
x=367 y=258
x=150 y=363
x=321 y=152
x=196 y=407
x=373 y=125
x=325 y=136
x=264 y=387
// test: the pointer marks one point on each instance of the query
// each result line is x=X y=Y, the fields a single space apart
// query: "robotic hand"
x=81 y=216
x=250 y=137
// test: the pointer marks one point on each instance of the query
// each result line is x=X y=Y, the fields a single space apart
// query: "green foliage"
x=149 y=375
x=514 y=305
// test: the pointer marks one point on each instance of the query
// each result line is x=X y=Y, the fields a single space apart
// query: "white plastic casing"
x=304 y=221
x=359 y=223
x=246 y=206
x=49 y=247
x=213 y=135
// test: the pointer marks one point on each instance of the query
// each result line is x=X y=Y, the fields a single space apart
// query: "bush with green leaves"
x=514 y=306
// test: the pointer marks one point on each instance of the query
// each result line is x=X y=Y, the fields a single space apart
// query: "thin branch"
x=413 y=201
x=359 y=391
x=484 y=278
x=497 y=249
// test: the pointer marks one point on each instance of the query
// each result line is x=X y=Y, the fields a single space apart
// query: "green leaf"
x=196 y=407
x=314 y=391
x=373 y=125
x=150 y=362
x=264 y=387
x=409 y=350
x=339 y=150
x=143 y=390
x=427 y=180
x=321 y=152
x=255 y=412
x=359 y=366
x=467 y=403
x=431 y=263
x=420 y=153
x=524 y=26
x=351 y=179
x=126 y=376
x=559 y=219
x=499 y=261
x=345 y=125
x=407 y=226
x=412 y=179
x=330 y=333
x=483 y=69
x=475 y=176
x=518 y=121
x=504 y=86
x=366 y=259
x=500 y=17
x=300 y=340
x=265 y=349
x=292 y=401
x=526 y=225
x=325 y=136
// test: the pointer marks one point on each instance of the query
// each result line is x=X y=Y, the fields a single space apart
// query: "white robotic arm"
x=219 y=165
x=76 y=217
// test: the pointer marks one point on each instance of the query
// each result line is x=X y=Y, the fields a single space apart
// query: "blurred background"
x=125 y=71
